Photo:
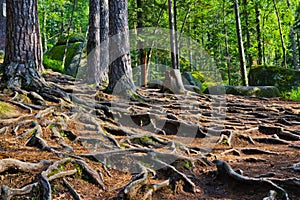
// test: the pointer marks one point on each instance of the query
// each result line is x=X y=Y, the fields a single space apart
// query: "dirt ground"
x=257 y=137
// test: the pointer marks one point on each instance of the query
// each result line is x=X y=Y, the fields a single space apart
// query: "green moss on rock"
x=284 y=79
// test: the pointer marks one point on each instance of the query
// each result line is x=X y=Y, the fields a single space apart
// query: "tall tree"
x=142 y=52
x=173 y=80
x=2 y=24
x=120 y=71
x=98 y=43
x=258 y=34
x=23 y=51
x=240 y=44
x=281 y=34
x=23 y=57
x=248 y=41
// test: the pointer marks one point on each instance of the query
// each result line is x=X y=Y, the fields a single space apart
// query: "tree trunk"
x=120 y=71
x=281 y=34
x=294 y=49
x=104 y=42
x=2 y=24
x=98 y=43
x=176 y=34
x=241 y=45
x=172 y=36
x=173 y=80
x=43 y=26
x=258 y=35
x=142 y=53
x=248 y=43
x=23 y=58
x=93 y=43
x=227 y=54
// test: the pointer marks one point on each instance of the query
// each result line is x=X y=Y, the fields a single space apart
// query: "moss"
x=57 y=53
x=284 y=79
x=6 y=110
x=62 y=40
x=55 y=65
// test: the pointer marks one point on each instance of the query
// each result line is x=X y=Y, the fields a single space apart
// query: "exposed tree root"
x=6 y=164
x=73 y=192
x=8 y=193
x=225 y=170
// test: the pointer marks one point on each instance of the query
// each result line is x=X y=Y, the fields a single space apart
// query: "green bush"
x=294 y=94
x=55 y=65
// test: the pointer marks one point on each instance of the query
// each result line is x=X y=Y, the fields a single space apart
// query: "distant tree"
x=2 y=24
x=120 y=71
x=240 y=44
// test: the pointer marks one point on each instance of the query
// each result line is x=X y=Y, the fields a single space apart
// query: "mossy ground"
x=6 y=110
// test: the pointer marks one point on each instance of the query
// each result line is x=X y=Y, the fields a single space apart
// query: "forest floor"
x=173 y=141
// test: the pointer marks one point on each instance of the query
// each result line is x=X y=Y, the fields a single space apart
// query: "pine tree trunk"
x=104 y=43
x=172 y=36
x=98 y=41
x=23 y=58
x=258 y=36
x=2 y=25
x=241 y=45
x=120 y=71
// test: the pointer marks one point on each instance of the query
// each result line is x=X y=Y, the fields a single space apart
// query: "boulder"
x=155 y=84
x=254 y=91
x=192 y=88
x=73 y=58
x=284 y=79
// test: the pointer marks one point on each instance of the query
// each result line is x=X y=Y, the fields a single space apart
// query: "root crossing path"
x=157 y=146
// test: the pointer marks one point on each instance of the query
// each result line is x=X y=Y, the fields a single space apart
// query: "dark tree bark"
x=172 y=36
x=241 y=45
x=23 y=51
x=23 y=58
x=2 y=24
x=98 y=43
x=258 y=35
x=120 y=71
x=281 y=34
x=142 y=53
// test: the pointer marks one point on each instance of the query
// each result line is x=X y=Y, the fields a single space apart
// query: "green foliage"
x=55 y=65
x=62 y=40
x=294 y=94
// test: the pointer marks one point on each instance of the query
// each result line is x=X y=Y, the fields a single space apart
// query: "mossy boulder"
x=62 y=40
x=284 y=79
x=73 y=58
x=7 y=110
x=254 y=91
